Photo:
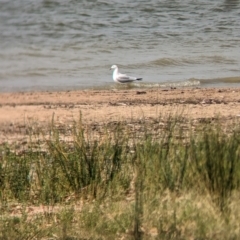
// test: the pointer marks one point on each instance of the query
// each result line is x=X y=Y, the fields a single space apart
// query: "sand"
x=21 y=109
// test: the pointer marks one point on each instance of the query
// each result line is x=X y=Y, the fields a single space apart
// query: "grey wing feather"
x=125 y=78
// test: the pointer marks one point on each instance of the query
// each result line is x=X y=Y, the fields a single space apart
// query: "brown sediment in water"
x=18 y=110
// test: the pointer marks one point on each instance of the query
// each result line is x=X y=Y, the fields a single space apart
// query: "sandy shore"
x=17 y=110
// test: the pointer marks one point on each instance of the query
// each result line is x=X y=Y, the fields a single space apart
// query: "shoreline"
x=19 y=109
x=225 y=82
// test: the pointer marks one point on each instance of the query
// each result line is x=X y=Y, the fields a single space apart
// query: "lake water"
x=70 y=44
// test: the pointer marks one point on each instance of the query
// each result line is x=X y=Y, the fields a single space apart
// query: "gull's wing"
x=123 y=78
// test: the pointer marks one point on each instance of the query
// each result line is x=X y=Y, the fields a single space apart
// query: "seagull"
x=122 y=78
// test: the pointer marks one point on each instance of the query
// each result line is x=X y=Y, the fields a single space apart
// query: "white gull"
x=122 y=78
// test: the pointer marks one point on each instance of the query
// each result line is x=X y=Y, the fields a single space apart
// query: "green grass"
x=122 y=183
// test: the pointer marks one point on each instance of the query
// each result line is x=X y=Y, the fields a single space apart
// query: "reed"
x=172 y=183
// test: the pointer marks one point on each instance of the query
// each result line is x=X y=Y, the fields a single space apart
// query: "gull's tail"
x=139 y=79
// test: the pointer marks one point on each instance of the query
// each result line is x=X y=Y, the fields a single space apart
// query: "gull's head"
x=113 y=67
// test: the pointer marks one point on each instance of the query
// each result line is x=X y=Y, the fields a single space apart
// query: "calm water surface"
x=60 y=44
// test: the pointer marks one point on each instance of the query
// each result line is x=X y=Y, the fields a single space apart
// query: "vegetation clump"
x=173 y=183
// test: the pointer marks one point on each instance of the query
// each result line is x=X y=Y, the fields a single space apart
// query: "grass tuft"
x=122 y=182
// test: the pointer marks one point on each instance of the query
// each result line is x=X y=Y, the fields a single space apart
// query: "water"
x=70 y=44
